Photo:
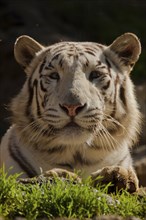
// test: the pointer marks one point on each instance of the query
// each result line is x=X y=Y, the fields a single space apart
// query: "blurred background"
x=50 y=21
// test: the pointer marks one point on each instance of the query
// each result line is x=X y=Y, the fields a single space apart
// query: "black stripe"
x=61 y=63
x=87 y=61
x=28 y=106
x=64 y=165
x=90 y=52
x=91 y=49
x=92 y=109
x=52 y=109
x=115 y=97
x=106 y=86
x=108 y=66
x=21 y=160
x=49 y=66
x=91 y=115
x=56 y=149
x=43 y=103
x=52 y=116
x=42 y=65
x=81 y=54
x=108 y=63
x=70 y=55
x=37 y=101
x=100 y=46
x=122 y=95
x=28 y=111
x=98 y=63
x=55 y=57
x=58 y=49
x=122 y=160
x=42 y=86
x=87 y=64
x=79 y=159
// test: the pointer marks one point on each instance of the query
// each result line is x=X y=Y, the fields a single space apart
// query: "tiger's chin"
x=73 y=134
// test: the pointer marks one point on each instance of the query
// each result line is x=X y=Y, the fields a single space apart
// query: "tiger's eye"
x=94 y=75
x=54 y=75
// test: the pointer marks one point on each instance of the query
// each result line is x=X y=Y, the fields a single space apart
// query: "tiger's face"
x=69 y=86
x=73 y=88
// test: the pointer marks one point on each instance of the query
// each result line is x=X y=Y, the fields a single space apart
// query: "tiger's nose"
x=72 y=110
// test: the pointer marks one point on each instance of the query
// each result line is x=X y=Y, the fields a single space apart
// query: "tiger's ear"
x=128 y=49
x=25 y=50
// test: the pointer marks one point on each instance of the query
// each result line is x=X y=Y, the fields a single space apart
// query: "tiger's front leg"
x=119 y=177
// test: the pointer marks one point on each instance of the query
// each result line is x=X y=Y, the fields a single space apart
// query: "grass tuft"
x=64 y=198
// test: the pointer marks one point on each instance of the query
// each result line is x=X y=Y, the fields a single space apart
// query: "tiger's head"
x=77 y=92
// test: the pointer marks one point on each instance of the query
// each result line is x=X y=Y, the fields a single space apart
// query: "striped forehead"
x=67 y=51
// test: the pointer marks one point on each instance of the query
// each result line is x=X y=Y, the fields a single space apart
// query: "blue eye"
x=94 y=75
x=54 y=75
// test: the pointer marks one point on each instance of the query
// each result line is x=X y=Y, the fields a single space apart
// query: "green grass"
x=64 y=198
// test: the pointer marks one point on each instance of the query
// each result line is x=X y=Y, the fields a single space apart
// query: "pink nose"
x=72 y=110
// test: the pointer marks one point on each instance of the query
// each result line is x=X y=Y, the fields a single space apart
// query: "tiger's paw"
x=119 y=177
x=51 y=175
x=61 y=173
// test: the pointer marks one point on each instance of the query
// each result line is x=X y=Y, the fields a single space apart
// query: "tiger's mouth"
x=72 y=124
x=73 y=128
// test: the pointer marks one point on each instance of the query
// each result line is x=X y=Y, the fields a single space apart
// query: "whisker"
x=111 y=119
x=102 y=138
x=37 y=132
x=114 y=121
x=112 y=139
x=108 y=140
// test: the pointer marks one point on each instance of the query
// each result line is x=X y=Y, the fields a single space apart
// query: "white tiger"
x=76 y=111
